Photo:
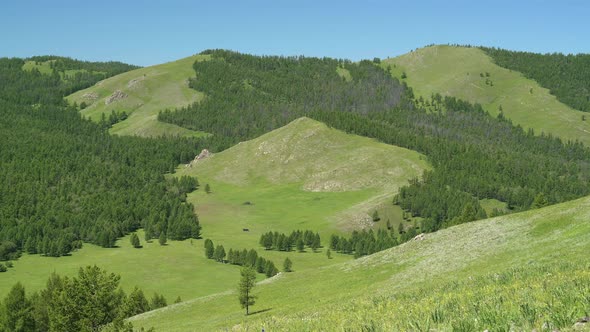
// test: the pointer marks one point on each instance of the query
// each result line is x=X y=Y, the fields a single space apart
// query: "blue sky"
x=151 y=32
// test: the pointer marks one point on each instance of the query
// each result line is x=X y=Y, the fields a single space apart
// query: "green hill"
x=522 y=272
x=301 y=176
x=142 y=93
x=463 y=73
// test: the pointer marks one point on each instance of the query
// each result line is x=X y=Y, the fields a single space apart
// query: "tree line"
x=567 y=76
x=474 y=155
x=244 y=257
x=298 y=239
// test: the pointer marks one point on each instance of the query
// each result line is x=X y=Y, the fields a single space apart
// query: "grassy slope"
x=384 y=289
x=455 y=71
x=149 y=91
x=278 y=205
x=179 y=268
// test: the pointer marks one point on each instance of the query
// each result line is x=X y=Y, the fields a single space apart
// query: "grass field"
x=148 y=91
x=519 y=271
x=177 y=269
x=456 y=71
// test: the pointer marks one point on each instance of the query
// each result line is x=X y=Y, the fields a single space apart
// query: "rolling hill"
x=142 y=93
x=455 y=279
x=470 y=74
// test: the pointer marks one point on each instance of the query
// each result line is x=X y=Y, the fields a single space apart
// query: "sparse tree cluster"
x=244 y=257
x=366 y=242
x=283 y=242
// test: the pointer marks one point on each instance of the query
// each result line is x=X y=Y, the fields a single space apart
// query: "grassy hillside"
x=537 y=259
x=147 y=91
x=456 y=71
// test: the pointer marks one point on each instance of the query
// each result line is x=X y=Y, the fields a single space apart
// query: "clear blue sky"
x=151 y=32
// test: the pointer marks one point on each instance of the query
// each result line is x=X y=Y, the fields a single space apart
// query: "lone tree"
x=247 y=282
x=207 y=188
x=287 y=265
x=135 y=241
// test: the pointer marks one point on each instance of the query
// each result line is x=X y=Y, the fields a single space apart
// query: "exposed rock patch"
x=90 y=96
x=420 y=237
x=203 y=155
x=135 y=81
x=117 y=95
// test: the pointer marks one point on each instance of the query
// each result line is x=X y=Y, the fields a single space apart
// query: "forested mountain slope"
x=455 y=279
x=471 y=75
x=64 y=180
x=475 y=156
x=141 y=94
x=566 y=76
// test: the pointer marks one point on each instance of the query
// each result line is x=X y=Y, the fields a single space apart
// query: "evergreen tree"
x=158 y=301
x=247 y=283
x=207 y=188
x=539 y=201
x=135 y=241
x=375 y=216
x=219 y=254
x=162 y=239
x=287 y=265
x=329 y=254
x=18 y=311
x=209 y=249
x=136 y=303
x=300 y=245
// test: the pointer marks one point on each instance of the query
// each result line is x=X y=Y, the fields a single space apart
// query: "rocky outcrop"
x=90 y=96
x=117 y=95
x=203 y=155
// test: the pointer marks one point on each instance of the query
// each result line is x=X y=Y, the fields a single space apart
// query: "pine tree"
x=247 y=283
x=209 y=249
x=287 y=265
x=375 y=216
x=18 y=310
x=207 y=188
x=135 y=241
x=300 y=245
x=329 y=253
x=162 y=239
x=158 y=301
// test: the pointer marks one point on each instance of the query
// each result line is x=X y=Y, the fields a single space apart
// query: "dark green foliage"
x=566 y=76
x=287 y=265
x=329 y=253
x=207 y=188
x=282 y=242
x=474 y=155
x=86 y=302
x=136 y=303
x=209 y=249
x=158 y=301
x=162 y=239
x=64 y=180
x=134 y=239
x=540 y=201
x=219 y=254
x=247 y=283
x=17 y=310
x=178 y=300
x=365 y=242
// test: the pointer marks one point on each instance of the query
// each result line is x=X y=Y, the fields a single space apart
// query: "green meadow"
x=515 y=272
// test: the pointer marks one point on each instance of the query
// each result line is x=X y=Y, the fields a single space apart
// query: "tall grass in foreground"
x=544 y=298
